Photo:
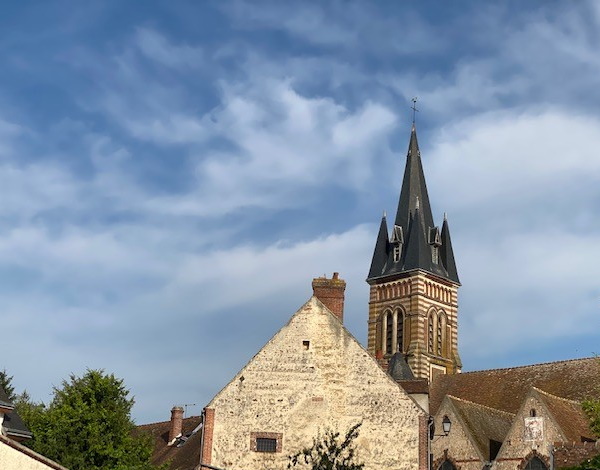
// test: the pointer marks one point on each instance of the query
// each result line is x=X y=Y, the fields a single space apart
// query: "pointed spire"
x=418 y=254
x=446 y=252
x=413 y=188
x=380 y=255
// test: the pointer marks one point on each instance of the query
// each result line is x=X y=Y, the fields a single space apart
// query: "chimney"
x=331 y=293
x=176 y=423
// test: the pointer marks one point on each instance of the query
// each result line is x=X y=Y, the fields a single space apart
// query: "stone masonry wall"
x=456 y=447
x=310 y=377
x=515 y=449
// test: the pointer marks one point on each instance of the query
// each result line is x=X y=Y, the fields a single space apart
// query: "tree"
x=592 y=410
x=328 y=453
x=87 y=425
x=6 y=384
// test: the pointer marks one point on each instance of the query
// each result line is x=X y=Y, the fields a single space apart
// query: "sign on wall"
x=534 y=428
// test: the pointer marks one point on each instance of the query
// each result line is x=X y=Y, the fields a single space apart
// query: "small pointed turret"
x=447 y=254
x=380 y=255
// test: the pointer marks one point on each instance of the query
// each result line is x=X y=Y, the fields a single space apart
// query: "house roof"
x=184 y=457
x=483 y=423
x=573 y=453
x=30 y=453
x=505 y=389
x=13 y=424
x=568 y=415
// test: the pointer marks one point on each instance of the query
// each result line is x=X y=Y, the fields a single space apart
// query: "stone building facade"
x=312 y=376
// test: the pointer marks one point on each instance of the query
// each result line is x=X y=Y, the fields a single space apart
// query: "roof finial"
x=445 y=217
x=415 y=110
x=384 y=215
x=417 y=203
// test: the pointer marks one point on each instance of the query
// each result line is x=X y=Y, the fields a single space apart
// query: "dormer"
x=397 y=240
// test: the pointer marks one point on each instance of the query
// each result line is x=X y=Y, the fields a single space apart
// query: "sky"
x=174 y=174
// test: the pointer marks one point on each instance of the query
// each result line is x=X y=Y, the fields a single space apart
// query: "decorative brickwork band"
x=207 y=435
x=331 y=293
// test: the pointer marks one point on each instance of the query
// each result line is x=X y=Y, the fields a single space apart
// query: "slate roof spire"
x=414 y=189
x=416 y=242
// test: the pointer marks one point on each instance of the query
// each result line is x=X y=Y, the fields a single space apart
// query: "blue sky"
x=174 y=174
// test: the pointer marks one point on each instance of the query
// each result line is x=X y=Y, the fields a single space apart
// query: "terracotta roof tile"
x=569 y=416
x=571 y=454
x=505 y=389
x=185 y=457
x=483 y=422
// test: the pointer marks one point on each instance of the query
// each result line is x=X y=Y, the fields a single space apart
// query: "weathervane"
x=414 y=108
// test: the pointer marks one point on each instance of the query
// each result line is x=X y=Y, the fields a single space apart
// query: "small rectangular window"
x=265 y=444
x=306 y=345
x=266 y=441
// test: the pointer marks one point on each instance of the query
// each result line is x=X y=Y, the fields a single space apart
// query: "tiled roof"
x=484 y=423
x=569 y=416
x=505 y=389
x=571 y=454
x=186 y=457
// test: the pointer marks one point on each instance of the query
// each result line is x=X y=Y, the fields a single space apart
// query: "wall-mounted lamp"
x=446 y=426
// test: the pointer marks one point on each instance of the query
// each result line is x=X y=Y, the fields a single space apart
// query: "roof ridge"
x=548 y=394
x=530 y=365
x=163 y=422
x=452 y=397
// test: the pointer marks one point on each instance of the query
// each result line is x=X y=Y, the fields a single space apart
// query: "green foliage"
x=328 y=453
x=6 y=384
x=87 y=425
x=592 y=409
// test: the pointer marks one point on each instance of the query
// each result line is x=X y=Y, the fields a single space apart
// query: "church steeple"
x=414 y=283
x=421 y=242
x=413 y=187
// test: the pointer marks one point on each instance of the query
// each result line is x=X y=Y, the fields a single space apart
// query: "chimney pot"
x=331 y=293
x=176 y=423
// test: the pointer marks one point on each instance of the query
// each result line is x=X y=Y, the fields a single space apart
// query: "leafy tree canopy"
x=329 y=452
x=87 y=425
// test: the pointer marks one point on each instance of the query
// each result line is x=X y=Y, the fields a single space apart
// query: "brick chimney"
x=176 y=422
x=331 y=293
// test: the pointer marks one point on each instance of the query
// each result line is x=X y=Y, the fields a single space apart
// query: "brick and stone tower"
x=414 y=283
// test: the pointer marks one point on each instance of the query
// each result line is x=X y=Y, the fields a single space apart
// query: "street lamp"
x=446 y=426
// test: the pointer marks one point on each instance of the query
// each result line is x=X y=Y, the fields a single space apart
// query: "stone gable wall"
x=457 y=447
x=515 y=450
x=312 y=376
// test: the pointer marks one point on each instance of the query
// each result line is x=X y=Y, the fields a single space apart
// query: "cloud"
x=524 y=189
x=157 y=48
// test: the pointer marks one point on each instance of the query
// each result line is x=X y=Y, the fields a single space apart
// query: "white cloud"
x=525 y=188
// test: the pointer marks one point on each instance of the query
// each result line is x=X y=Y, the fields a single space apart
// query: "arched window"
x=389 y=333
x=446 y=465
x=400 y=331
x=430 y=331
x=535 y=463
x=440 y=333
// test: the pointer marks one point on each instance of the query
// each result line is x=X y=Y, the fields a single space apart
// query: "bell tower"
x=413 y=281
